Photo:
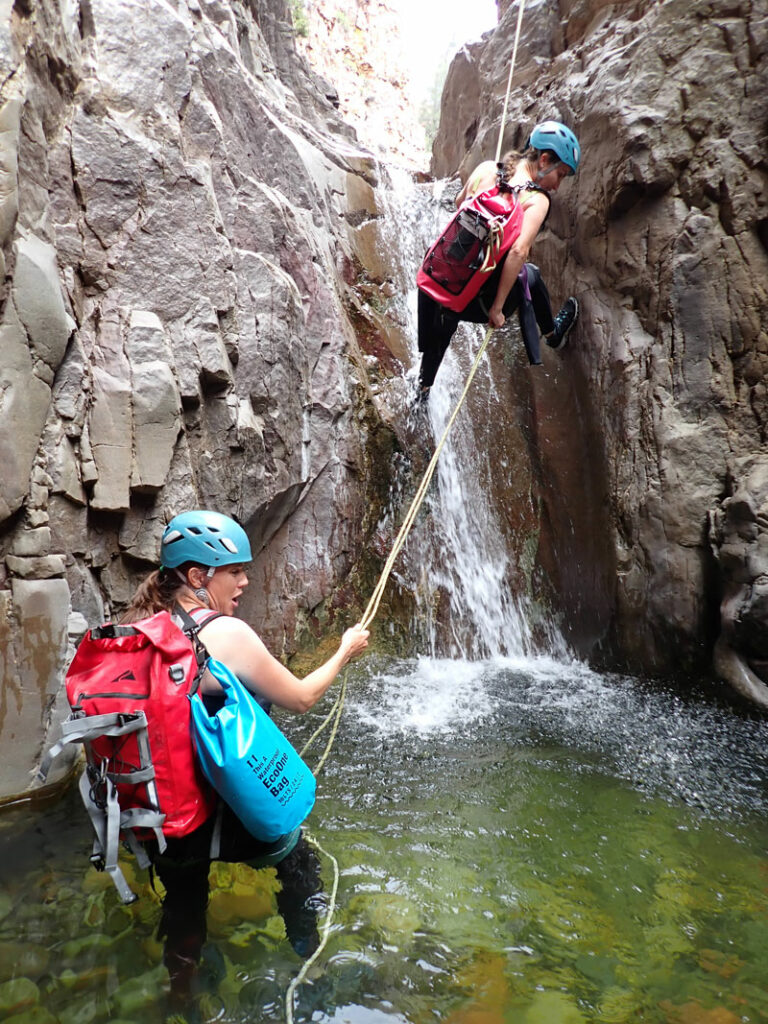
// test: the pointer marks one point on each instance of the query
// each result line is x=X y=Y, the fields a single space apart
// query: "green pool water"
x=517 y=842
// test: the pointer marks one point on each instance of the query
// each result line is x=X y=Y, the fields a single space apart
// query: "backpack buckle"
x=502 y=178
x=177 y=674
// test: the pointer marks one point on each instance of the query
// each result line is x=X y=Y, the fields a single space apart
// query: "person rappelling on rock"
x=477 y=270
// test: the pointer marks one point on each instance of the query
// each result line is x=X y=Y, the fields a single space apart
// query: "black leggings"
x=183 y=869
x=437 y=325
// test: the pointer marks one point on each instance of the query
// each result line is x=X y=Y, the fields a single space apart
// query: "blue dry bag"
x=249 y=762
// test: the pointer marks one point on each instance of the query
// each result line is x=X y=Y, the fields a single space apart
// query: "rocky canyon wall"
x=184 y=221
x=648 y=434
x=357 y=46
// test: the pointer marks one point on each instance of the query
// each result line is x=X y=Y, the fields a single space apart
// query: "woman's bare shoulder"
x=483 y=175
x=486 y=167
x=228 y=626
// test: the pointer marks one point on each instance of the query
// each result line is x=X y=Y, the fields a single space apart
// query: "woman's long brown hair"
x=158 y=593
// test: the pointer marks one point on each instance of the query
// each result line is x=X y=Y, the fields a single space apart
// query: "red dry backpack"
x=129 y=688
x=470 y=248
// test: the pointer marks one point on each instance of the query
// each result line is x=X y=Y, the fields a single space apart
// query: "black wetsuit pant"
x=183 y=869
x=437 y=325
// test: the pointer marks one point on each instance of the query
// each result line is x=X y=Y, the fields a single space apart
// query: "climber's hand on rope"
x=496 y=318
x=353 y=643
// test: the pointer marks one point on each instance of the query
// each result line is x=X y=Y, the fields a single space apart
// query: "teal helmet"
x=206 y=538
x=561 y=140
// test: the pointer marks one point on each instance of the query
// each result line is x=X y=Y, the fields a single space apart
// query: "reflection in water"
x=547 y=868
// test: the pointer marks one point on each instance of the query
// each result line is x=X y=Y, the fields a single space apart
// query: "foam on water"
x=425 y=696
x=355 y=1014
x=688 y=747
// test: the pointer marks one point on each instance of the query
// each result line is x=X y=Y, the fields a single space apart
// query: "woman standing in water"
x=202 y=576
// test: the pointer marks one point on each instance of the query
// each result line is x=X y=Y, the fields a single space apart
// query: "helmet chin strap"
x=542 y=172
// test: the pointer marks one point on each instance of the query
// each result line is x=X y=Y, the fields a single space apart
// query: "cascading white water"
x=457 y=553
x=470 y=562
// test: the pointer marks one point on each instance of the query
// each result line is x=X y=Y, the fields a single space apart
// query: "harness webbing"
x=98 y=788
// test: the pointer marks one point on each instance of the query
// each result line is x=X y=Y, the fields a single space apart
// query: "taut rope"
x=378 y=591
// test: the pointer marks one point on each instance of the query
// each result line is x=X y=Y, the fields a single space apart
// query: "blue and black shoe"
x=564 y=322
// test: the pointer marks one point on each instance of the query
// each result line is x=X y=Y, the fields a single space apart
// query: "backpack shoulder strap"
x=531 y=186
x=192 y=622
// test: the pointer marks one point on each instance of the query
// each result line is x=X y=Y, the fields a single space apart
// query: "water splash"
x=688 y=747
x=427 y=696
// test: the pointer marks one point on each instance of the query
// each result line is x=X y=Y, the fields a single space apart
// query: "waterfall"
x=457 y=558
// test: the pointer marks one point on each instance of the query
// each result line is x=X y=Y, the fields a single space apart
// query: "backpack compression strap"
x=98 y=788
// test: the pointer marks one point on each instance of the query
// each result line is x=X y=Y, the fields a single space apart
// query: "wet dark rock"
x=645 y=426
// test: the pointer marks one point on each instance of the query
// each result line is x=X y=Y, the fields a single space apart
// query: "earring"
x=202 y=596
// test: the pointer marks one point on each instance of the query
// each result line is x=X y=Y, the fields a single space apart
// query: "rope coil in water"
x=375 y=599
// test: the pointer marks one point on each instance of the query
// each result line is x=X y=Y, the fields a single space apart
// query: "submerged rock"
x=139 y=994
x=17 y=995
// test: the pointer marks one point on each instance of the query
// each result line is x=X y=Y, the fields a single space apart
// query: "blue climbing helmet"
x=561 y=140
x=207 y=538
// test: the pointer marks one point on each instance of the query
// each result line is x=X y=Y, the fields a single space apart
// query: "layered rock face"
x=182 y=212
x=648 y=432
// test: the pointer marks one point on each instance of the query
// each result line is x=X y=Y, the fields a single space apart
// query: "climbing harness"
x=375 y=600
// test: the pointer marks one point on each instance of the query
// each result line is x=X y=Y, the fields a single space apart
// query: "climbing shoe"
x=564 y=321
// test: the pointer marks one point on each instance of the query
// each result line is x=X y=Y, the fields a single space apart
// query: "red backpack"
x=480 y=233
x=129 y=688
